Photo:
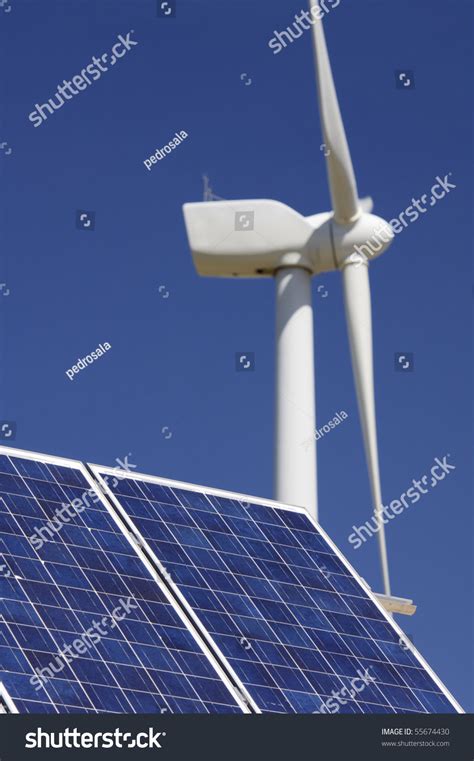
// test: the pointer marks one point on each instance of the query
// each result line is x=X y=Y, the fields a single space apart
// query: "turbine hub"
x=365 y=239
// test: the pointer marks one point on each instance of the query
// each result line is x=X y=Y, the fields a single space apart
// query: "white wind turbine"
x=266 y=238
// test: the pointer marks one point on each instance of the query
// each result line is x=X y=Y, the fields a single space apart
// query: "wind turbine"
x=266 y=238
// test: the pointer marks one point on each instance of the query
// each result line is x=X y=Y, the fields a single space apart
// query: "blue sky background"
x=172 y=361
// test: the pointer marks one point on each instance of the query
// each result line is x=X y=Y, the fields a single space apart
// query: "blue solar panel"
x=65 y=581
x=293 y=621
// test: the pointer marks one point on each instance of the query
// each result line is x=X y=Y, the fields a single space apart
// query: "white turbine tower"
x=265 y=238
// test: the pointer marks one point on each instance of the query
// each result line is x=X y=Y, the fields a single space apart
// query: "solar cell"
x=85 y=626
x=291 y=617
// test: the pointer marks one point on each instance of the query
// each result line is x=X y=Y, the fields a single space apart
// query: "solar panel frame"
x=6 y=700
x=244 y=499
x=201 y=644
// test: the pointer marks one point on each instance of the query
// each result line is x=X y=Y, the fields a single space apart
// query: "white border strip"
x=97 y=469
x=7 y=700
x=77 y=465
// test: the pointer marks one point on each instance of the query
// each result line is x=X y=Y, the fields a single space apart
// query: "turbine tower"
x=266 y=238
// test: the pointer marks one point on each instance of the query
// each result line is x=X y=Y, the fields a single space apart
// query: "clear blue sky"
x=172 y=361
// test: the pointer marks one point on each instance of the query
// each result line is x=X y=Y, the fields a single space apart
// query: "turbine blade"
x=366 y=204
x=355 y=278
x=342 y=183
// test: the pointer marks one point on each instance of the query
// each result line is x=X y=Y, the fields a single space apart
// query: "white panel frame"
x=202 y=644
x=97 y=470
x=4 y=695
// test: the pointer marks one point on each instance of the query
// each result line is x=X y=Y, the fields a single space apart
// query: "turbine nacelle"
x=250 y=238
x=255 y=238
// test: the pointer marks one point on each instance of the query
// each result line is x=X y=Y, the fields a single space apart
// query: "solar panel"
x=292 y=618
x=85 y=626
